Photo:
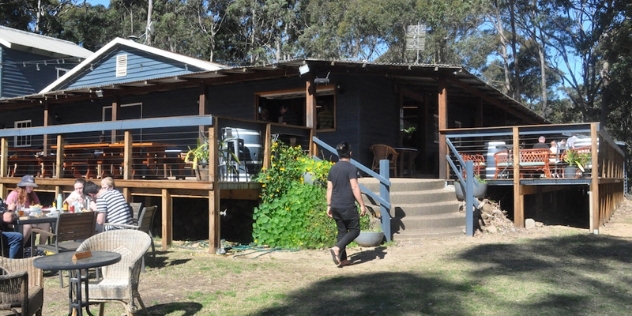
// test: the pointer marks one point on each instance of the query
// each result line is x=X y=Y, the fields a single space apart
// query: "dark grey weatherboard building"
x=368 y=102
x=29 y=62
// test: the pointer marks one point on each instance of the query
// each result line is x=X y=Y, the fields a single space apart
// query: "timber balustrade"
x=145 y=156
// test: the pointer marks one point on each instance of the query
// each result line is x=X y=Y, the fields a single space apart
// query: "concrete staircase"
x=420 y=208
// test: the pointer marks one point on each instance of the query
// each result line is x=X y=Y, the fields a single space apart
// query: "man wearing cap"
x=23 y=197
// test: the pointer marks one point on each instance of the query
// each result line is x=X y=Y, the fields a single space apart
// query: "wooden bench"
x=531 y=160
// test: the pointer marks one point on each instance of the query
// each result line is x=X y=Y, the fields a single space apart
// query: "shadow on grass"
x=184 y=309
x=570 y=275
x=589 y=272
x=162 y=260
x=387 y=293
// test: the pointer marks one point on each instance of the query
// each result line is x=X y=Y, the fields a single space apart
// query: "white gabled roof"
x=40 y=44
x=205 y=65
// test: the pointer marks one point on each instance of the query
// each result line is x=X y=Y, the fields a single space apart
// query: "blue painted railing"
x=384 y=198
x=470 y=200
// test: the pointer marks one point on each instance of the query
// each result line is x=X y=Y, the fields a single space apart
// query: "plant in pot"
x=480 y=188
x=575 y=160
x=199 y=158
x=371 y=234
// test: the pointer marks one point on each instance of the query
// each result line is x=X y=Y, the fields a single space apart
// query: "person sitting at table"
x=76 y=197
x=107 y=183
x=541 y=143
x=111 y=206
x=10 y=239
x=23 y=197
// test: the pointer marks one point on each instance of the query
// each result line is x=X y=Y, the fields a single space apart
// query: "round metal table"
x=63 y=261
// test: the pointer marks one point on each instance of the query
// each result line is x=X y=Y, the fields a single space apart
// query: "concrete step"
x=435 y=208
x=401 y=184
x=425 y=222
x=417 y=236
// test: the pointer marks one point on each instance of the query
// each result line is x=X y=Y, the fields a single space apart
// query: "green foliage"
x=292 y=213
x=574 y=158
x=370 y=222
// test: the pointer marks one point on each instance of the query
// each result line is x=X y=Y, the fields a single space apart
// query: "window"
x=121 y=65
x=22 y=141
x=270 y=105
x=436 y=128
x=61 y=72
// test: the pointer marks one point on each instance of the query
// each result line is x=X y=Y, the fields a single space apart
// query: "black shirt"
x=342 y=194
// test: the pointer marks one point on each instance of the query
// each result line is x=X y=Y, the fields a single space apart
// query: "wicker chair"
x=381 y=151
x=120 y=280
x=22 y=287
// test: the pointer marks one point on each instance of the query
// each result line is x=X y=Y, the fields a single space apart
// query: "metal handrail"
x=384 y=198
x=470 y=201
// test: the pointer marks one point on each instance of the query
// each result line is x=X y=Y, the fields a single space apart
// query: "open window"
x=271 y=104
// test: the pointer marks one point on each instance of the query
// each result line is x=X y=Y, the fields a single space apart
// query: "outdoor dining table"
x=78 y=275
x=18 y=223
x=406 y=155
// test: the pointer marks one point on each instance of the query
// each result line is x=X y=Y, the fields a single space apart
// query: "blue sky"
x=106 y=3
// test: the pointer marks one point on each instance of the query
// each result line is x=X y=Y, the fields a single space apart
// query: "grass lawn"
x=548 y=271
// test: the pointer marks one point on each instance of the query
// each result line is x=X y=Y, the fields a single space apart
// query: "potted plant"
x=199 y=158
x=480 y=188
x=371 y=234
x=575 y=160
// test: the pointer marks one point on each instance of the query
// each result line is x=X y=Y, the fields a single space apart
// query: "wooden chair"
x=21 y=287
x=70 y=230
x=477 y=159
x=120 y=280
x=380 y=152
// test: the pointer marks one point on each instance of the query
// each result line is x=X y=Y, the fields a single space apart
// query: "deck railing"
x=508 y=141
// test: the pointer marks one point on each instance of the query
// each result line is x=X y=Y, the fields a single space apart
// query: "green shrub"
x=292 y=213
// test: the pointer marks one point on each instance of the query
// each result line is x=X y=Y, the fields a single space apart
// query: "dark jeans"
x=13 y=241
x=348 y=223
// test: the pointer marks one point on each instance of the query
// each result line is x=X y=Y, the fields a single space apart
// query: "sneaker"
x=41 y=253
x=27 y=252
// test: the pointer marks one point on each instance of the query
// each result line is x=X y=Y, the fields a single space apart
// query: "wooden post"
x=59 y=161
x=443 y=124
x=214 y=194
x=594 y=182
x=310 y=103
x=267 y=146
x=517 y=189
x=167 y=219
x=202 y=106
x=4 y=163
x=45 y=136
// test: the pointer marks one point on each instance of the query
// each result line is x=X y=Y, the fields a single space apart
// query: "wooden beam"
x=202 y=105
x=127 y=156
x=167 y=219
x=594 y=183
x=442 y=99
x=4 y=163
x=214 y=194
x=517 y=188
x=46 y=123
x=310 y=103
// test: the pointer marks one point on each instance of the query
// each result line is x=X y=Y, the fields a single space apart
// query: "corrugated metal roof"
x=40 y=44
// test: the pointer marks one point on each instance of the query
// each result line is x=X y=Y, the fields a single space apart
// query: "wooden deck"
x=603 y=180
x=143 y=171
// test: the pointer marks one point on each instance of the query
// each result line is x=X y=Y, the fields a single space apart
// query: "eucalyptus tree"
x=263 y=31
x=575 y=31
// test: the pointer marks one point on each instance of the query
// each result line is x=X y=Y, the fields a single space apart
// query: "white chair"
x=119 y=281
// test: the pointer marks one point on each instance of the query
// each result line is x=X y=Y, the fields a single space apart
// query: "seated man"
x=111 y=206
x=10 y=239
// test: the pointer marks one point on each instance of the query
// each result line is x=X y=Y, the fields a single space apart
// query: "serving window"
x=270 y=106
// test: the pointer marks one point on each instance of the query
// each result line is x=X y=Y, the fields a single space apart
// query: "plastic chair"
x=21 y=287
x=120 y=280
x=380 y=152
